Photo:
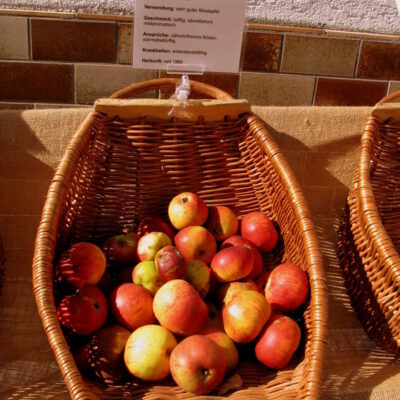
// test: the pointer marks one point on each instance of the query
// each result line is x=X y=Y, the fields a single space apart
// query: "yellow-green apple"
x=121 y=249
x=287 y=287
x=170 y=263
x=85 y=311
x=278 y=341
x=262 y=280
x=232 y=263
x=150 y=244
x=145 y=274
x=132 y=306
x=147 y=352
x=106 y=352
x=259 y=229
x=154 y=223
x=198 y=274
x=228 y=347
x=237 y=240
x=196 y=243
x=227 y=290
x=187 y=209
x=245 y=315
x=179 y=308
x=222 y=222
x=198 y=364
x=82 y=264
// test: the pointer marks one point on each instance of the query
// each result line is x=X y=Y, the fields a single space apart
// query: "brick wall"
x=66 y=59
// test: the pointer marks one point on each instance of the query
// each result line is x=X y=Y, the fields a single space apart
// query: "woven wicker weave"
x=117 y=170
x=369 y=234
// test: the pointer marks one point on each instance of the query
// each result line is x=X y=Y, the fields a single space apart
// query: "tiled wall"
x=52 y=59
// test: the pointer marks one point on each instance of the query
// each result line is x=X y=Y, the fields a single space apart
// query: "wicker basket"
x=2 y=263
x=127 y=160
x=369 y=233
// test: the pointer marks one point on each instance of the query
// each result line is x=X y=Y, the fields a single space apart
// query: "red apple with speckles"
x=226 y=291
x=260 y=230
x=170 y=264
x=227 y=346
x=245 y=315
x=196 y=243
x=82 y=264
x=132 y=306
x=154 y=223
x=232 y=263
x=198 y=364
x=287 y=287
x=222 y=222
x=187 y=209
x=237 y=240
x=278 y=341
x=84 y=312
x=179 y=308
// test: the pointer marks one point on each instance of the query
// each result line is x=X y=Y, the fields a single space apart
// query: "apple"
x=121 y=249
x=278 y=341
x=106 y=283
x=145 y=274
x=187 y=209
x=150 y=244
x=260 y=230
x=198 y=274
x=198 y=364
x=245 y=315
x=170 y=264
x=81 y=358
x=226 y=291
x=106 y=352
x=132 y=306
x=214 y=320
x=222 y=222
x=82 y=264
x=85 y=311
x=236 y=240
x=232 y=263
x=196 y=243
x=147 y=352
x=287 y=287
x=179 y=308
x=228 y=347
x=262 y=280
x=154 y=223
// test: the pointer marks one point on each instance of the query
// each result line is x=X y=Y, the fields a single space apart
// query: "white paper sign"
x=189 y=35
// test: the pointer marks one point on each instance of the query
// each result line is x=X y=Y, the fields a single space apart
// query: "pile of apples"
x=180 y=299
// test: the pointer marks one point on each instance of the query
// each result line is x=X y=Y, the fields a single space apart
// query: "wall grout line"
x=116 y=52
x=358 y=55
x=282 y=49
x=315 y=90
x=29 y=33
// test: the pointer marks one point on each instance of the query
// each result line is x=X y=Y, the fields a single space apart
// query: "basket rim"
x=46 y=239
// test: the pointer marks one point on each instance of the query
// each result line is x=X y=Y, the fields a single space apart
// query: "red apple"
x=232 y=263
x=154 y=223
x=81 y=357
x=84 y=312
x=132 y=306
x=198 y=364
x=121 y=248
x=228 y=347
x=196 y=243
x=179 y=308
x=214 y=320
x=106 y=352
x=82 y=264
x=245 y=315
x=170 y=264
x=278 y=342
x=260 y=230
x=187 y=209
x=150 y=244
x=226 y=291
x=240 y=240
x=222 y=222
x=198 y=274
x=287 y=287
x=106 y=283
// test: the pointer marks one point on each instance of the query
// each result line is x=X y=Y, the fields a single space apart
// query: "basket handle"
x=166 y=83
x=390 y=97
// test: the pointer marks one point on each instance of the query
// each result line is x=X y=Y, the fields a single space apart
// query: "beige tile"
x=320 y=56
x=394 y=86
x=276 y=89
x=13 y=38
x=125 y=44
x=94 y=81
